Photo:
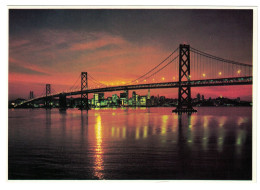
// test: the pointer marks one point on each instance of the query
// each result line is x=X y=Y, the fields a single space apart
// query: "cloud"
x=18 y=69
x=17 y=66
x=55 y=46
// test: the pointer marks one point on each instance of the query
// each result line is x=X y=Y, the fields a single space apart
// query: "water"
x=141 y=143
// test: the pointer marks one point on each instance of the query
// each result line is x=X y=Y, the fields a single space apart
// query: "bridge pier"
x=62 y=102
x=184 y=95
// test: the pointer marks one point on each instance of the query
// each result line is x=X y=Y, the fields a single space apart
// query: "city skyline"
x=116 y=46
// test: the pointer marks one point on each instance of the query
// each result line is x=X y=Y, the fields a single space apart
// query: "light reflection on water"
x=98 y=151
x=142 y=143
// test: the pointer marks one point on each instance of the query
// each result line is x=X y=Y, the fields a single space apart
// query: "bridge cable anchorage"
x=154 y=67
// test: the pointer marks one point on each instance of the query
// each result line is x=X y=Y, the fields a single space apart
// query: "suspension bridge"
x=184 y=68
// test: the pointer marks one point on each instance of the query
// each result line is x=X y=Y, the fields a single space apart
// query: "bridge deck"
x=194 y=83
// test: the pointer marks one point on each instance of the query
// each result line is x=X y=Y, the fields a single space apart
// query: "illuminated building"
x=103 y=103
x=124 y=98
x=109 y=99
x=143 y=100
x=115 y=99
x=96 y=99
x=134 y=98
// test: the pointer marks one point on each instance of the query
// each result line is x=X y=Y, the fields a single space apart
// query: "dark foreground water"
x=148 y=143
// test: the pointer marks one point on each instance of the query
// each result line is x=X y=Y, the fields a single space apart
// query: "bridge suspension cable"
x=204 y=65
x=73 y=86
x=217 y=58
x=162 y=67
x=96 y=81
x=143 y=76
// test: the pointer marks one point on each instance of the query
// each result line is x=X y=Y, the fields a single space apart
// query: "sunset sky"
x=55 y=46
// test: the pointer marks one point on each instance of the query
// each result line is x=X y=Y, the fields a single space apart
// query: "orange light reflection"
x=99 y=151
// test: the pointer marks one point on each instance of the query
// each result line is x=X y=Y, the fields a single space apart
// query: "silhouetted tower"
x=31 y=95
x=148 y=95
x=84 y=87
x=184 y=95
x=198 y=96
x=134 y=98
x=48 y=99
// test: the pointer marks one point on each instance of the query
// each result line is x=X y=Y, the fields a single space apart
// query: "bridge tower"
x=31 y=95
x=184 y=95
x=84 y=95
x=48 y=99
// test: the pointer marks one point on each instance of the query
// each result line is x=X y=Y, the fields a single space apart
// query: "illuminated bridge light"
x=173 y=78
x=220 y=73
x=239 y=71
x=144 y=80
x=203 y=74
x=163 y=78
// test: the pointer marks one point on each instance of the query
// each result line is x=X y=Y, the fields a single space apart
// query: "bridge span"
x=192 y=83
x=191 y=68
